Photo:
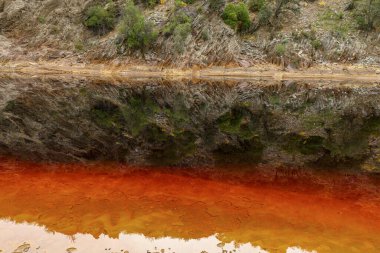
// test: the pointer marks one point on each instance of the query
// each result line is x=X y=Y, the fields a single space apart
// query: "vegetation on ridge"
x=135 y=32
x=191 y=32
x=101 y=18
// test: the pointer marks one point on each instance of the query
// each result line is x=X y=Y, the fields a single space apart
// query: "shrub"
x=150 y=3
x=280 y=49
x=188 y=1
x=205 y=35
x=335 y=22
x=180 y=34
x=134 y=31
x=332 y=15
x=237 y=16
x=265 y=13
x=179 y=17
x=216 y=5
x=179 y=4
x=367 y=14
x=283 y=6
x=100 y=19
x=317 y=44
x=179 y=26
x=41 y=19
x=270 y=11
x=79 y=46
x=256 y=5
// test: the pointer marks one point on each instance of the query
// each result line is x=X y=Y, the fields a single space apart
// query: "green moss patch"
x=107 y=115
x=169 y=148
x=238 y=122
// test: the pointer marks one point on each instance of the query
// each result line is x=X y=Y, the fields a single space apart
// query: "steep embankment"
x=191 y=122
x=188 y=34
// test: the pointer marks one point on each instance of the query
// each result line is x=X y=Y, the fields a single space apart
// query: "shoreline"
x=268 y=71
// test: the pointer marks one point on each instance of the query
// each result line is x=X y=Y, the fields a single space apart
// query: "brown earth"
x=102 y=70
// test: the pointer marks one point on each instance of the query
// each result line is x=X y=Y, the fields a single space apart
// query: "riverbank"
x=320 y=72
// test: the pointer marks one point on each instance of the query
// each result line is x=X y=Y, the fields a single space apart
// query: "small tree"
x=256 y=5
x=367 y=14
x=180 y=34
x=179 y=17
x=282 y=6
x=134 y=30
x=100 y=18
x=269 y=11
x=237 y=16
x=179 y=26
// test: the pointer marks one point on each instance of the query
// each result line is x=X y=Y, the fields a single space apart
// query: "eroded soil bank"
x=275 y=209
x=187 y=122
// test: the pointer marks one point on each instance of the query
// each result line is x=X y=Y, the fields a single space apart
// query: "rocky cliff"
x=191 y=122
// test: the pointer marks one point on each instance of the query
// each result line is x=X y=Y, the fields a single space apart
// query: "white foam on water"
x=298 y=250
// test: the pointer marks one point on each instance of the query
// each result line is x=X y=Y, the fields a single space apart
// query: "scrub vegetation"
x=185 y=33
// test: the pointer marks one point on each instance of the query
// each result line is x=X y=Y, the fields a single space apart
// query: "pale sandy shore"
x=320 y=72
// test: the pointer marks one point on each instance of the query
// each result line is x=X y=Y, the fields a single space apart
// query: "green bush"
x=178 y=4
x=335 y=22
x=237 y=16
x=367 y=14
x=271 y=10
x=179 y=26
x=180 y=34
x=216 y=5
x=134 y=31
x=79 y=46
x=256 y=5
x=41 y=19
x=179 y=17
x=317 y=44
x=280 y=49
x=150 y=3
x=205 y=35
x=283 y=6
x=100 y=19
x=265 y=13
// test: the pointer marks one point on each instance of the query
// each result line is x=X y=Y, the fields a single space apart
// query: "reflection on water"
x=33 y=238
x=37 y=239
x=57 y=207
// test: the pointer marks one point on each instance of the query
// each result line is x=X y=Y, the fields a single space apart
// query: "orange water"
x=324 y=212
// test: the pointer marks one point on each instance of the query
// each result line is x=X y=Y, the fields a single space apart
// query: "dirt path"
x=321 y=72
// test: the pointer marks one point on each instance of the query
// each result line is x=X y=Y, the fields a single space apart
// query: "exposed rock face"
x=185 y=123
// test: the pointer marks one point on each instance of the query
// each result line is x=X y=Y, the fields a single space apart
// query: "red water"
x=272 y=208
